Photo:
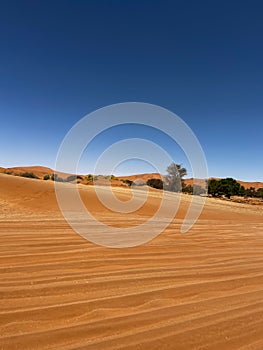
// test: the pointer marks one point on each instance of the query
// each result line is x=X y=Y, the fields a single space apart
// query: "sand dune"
x=201 y=290
x=188 y=181
x=40 y=171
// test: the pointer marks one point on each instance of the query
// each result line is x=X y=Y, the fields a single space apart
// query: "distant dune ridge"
x=40 y=171
x=39 y=196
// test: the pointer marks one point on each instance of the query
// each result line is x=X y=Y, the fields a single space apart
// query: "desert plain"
x=199 y=290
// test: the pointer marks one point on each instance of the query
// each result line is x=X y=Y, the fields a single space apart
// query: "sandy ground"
x=201 y=290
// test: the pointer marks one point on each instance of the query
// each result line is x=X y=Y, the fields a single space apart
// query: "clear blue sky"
x=201 y=59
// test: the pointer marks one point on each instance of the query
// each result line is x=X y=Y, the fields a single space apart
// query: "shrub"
x=128 y=182
x=242 y=191
x=155 y=183
x=225 y=187
x=55 y=177
x=71 y=178
x=46 y=177
x=198 y=190
x=260 y=192
x=251 y=192
x=187 y=188
x=29 y=174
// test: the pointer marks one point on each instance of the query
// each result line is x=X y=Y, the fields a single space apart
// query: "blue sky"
x=61 y=60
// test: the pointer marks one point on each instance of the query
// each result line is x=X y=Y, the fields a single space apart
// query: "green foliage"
x=46 y=177
x=242 y=191
x=55 y=177
x=252 y=192
x=71 y=178
x=225 y=187
x=187 y=188
x=229 y=187
x=198 y=190
x=260 y=192
x=128 y=182
x=213 y=187
x=30 y=175
x=155 y=183
x=89 y=177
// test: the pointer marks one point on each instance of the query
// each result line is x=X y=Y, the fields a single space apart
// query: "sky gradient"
x=61 y=60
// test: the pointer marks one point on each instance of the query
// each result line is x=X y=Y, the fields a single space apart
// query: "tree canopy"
x=173 y=179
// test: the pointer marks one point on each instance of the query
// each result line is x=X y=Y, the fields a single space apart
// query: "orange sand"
x=201 y=290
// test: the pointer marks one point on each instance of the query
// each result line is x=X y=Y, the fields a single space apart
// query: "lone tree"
x=173 y=179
